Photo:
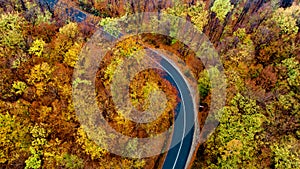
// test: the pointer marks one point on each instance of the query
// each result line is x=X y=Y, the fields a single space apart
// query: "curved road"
x=179 y=155
x=184 y=129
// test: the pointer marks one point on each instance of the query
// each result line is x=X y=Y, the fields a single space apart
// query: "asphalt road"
x=75 y=14
x=184 y=122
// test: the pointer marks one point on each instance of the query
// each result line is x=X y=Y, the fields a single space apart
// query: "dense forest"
x=258 y=42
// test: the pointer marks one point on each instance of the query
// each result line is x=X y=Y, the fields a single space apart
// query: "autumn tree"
x=37 y=47
x=275 y=37
x=13 y=138
x=65 y=42
x=12 y=41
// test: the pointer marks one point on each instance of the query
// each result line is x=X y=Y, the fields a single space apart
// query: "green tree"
x=44 y=17
x=34 y=161
x=110 y=25
x=39 y=135
x=197 y=13
x=36 y=15
x=204 y=84
x=293 y=72
x=221 y=8
x=234 y=144
x=285 y=154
